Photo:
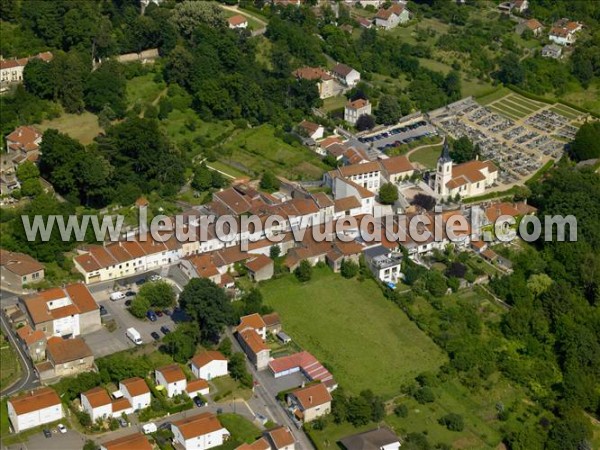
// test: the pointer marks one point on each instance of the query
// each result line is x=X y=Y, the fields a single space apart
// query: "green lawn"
x=226 y=389
x=511 y=108
x=493 y=96
x=511 y=114
x=333 y=103
x=4 y=422
x=83 y=127
x=232 y=171
x=241 y=429
x=178 y=129
x=366 y=341
x=143 y=89
x=258 y=149
x=566 y=112
x=10 y=368
x=427 y=156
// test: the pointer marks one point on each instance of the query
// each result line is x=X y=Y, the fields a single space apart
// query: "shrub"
x=401 y=410
x=424 y=395
x=452 y=421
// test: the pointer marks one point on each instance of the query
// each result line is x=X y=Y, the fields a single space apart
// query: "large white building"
x=34 y=409
x=468 y=179
x=353 y=110
x=98 y=404
x=137 y=392
x=199 y=432
x=172 y=379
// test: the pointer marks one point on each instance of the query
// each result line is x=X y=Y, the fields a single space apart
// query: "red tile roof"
x=97 y=397
x=19 y=263
x=63 y=351
x=312 y=396
x=258 y=263
x=198 y=425
x=34 y=400
x=310 y=365
x=135 y=441
x=136 y=386
x=357 y=104
x=253 y=341
x=172 y=373
x=312 y=73
x=203 y=358
x=29 y=336
x=38 y=305
x=397 y=164
x=253 y=321
x=281 y=437
x=237 y=20
x=196 y=385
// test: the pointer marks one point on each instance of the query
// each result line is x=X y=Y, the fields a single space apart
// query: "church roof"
x=445 y=156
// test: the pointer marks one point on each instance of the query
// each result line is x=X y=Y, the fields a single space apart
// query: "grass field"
x=333 y=103
x=143 y=89
x=366 y=341
x=231 y=171
x=493 y=96
x=10 y=368
x=178 y=130
x=258 y=149
x=82 y=127
x=427 y=156
x=241 y=430
x=228 y=389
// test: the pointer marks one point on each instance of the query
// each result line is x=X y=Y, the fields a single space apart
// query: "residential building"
x=259 y=444
x=468 y=179
x=563 y=32
x=254 y=322
x=325 y=82
x=97 y=403
x=69 y=356
x=237 y=22
x=552 y=51
x=381 y=438
x=18 y=269
x=273 y=323
x=8 y=175
x=393 y=16
x=172 y=379
x=34 y=341
x=280 y=438
x=23 y=144
x=364 y=22
x=520 y=6
x=136 y=441
x=384 y=264
x=11 y=70
x=311 y=129
x=199 y=432
x=257 y=351
x=66 y=312
x=346 y=74
x=306 y=363
x=209 y=364
x=396 y=168
x=137 y=392
x=532 y=25
x=260 y=268
x=310 y=403
x=367 y=175
x=197 y=387
x=34 y=408
x=354 y=109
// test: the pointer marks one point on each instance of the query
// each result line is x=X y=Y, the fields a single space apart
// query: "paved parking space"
x=71 y=440
x=104 y=342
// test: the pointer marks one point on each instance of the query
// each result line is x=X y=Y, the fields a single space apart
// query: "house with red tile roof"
x=34 y=341
x=325 y=81
x=18 y=269
x=172 y=379
x=199 y=432
x=136 y=441
x=346 y=74
x=303 y=362
x=311 y=129
x=280 y=438
x=354 y=109
x=23 y=144
x=209 y=364
x=69 y=357
x=136 y=390
x=310 y=403
x=11 y=70
x=68 y=311
x=391 y=17
x=34 y=408
x=237 y=22
x=260 y=268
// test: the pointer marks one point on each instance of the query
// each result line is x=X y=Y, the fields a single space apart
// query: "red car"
x=159 y=313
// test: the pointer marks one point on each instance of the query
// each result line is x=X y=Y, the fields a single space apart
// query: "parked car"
x=262 y=419
x=151 y=316
x=198 y=401
x=127 y=302
x=117 y=296
x=159 y=313
x=165 y=329
x=103 y=310
x=155 y=277
x=47 y=433
x=62 y=428
x=123 y=423
x=140 y=281
x=155 y=335
x=130 y=294
x=149 y=428
x=167 y=311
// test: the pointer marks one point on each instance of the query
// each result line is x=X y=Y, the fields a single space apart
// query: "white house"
x=384 y=265
x=367 y=175
x=391 y=17
x=209 y=364
x=172 y=379
x=97 y=403
x=137 y=392
x=280 y=438
x=346 y=74
x=311 y=129
x=136 y=441
x=197 y=387
x=237 y=22
x=255 y=322
x=11 y=70
x=353 y=110
x=563 y=32
x=34 y=409
x=199 y=432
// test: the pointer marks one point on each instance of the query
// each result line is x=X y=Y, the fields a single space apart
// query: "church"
x=468 y=179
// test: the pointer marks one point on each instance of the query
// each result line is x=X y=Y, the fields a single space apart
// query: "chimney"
x=310 y=399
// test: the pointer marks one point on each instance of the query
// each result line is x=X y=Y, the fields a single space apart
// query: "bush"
x=401 y=410
x=424 y=395
x=304 y=271
x=452 y=421
x=349 y=269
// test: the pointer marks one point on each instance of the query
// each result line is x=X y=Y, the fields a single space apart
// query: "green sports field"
x=366 y=340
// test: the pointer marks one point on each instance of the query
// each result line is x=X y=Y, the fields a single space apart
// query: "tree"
x=359 y=411
x=27 y=171
x=539 y=283
x=401 y=410
x=38 y=79
x=452 y=421
x=106 y=87
x=274 y=252
x=388 y=110
x=463 y=150
x=425 y=201
x=511 y=71
x=139 y=307
x=226 y=346
x=31 y=187
x=365 y=122
x=388 y=193
x=158 y=294
x=238 y=370
x=436 y=283
x=349 y=268
x=188 y=15
x=269 y=182
x=181 y=343
x=304 y=271
x=424 y=395
x=208 y=305
x=452 y=85
x=90 y=445
x=586 y=144
x=202 y=180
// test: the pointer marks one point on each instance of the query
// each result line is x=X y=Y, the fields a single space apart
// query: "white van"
x=117 y=296
x=149 y=428
x=134 y=335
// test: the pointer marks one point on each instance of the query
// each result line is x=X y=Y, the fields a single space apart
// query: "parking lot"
x=399 y=134
x=118 y=319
